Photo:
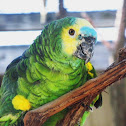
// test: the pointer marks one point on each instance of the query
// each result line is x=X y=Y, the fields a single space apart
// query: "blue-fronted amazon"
x=56 y=63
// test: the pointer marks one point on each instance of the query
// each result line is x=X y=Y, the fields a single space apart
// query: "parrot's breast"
x=52 y=84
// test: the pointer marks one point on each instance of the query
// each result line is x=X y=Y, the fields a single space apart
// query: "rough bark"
x=85 y=93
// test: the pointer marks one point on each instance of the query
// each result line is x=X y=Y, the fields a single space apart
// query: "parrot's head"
x=78 y=38
x=70 y=37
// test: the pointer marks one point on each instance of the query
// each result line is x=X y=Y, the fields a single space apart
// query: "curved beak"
x=85 y=49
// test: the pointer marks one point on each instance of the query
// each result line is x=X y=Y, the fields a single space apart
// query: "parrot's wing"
x=14 y=62
x=8 y=86
x=7 y=92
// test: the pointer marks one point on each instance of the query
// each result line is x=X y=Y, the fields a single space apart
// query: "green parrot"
x=56 y=63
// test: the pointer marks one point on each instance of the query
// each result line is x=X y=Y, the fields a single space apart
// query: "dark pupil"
x=71 y=32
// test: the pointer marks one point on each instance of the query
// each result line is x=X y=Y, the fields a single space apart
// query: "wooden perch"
x=86 y=93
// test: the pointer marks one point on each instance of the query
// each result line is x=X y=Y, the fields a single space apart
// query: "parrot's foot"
x=88 y=107
x=9 y=119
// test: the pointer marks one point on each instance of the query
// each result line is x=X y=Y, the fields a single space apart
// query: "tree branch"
x=85 y=93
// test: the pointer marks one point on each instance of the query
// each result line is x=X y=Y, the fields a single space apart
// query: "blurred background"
x=21 y=21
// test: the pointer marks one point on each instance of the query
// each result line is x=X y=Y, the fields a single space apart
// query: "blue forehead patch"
x=87 y=31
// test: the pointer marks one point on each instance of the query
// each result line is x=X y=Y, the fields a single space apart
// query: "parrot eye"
x=71 y=32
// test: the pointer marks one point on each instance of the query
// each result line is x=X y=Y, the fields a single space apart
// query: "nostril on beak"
x=80 y=37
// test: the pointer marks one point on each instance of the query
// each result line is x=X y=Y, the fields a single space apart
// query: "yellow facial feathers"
x=70 y=43
x=21 y=103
